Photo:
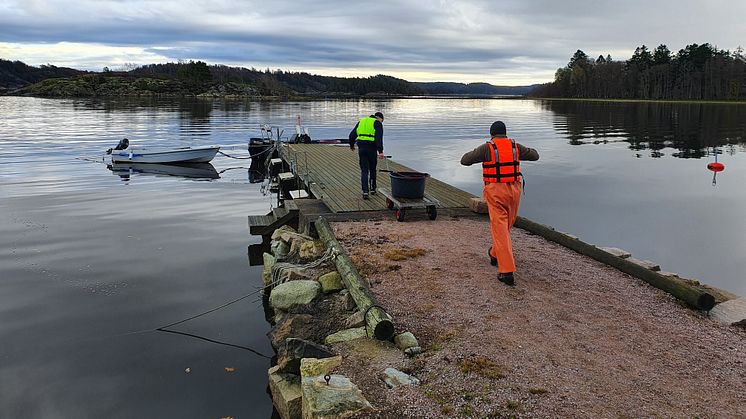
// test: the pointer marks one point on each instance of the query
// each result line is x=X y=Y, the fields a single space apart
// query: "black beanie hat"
x=497 y=128
x=378 y=115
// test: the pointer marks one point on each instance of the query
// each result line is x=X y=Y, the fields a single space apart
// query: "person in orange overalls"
x=501 y=172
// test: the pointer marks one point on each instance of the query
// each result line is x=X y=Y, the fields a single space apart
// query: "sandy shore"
x=574 y=338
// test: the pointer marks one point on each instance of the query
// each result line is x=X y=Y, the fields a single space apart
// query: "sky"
x=510 y=42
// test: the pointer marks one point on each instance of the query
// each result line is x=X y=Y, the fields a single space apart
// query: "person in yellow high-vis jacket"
x=368 y=133
x=501 y=172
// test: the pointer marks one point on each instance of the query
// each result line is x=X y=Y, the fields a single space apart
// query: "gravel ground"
x=574 y=338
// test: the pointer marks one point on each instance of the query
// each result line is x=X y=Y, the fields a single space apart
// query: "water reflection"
x=689 y=128
x=185 y=170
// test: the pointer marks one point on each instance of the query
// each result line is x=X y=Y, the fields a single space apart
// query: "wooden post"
x=377 y=321
x=685 y=292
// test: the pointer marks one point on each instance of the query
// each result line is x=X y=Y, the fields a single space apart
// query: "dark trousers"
x=368 y=161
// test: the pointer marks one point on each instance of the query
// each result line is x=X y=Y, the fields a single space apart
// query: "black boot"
x=493 y=260
x=506 y=278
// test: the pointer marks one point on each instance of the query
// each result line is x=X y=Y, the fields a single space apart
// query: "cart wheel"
x=432 y=213
x=389 y=203
x=399 y=214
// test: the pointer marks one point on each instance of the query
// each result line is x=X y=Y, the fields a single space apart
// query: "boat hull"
x=181 y=155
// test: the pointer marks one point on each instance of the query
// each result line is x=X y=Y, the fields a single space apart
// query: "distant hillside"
x=16 y=74
x=199 y=79
x=445 y=88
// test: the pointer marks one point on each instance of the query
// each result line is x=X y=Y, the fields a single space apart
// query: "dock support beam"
x=378 y=322
x=685 y=292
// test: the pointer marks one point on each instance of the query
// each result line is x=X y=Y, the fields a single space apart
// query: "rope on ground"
x=277 y=268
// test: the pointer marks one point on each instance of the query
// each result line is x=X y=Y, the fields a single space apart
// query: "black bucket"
x=408 y=184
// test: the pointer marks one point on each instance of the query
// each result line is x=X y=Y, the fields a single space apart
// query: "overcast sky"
x=511 y=42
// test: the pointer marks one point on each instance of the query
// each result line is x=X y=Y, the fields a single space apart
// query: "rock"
x=669 y=274
x=301 y=326
x=478 y=205
x=293 y=293
x=357 y=319
x=336 y=398
x=331 y=282
x=729 y=312
x=290 y=355
x=645 y=264
x=279 y=248
x=291 y=325
x=286 y=394
x=289 y=273
x=405 y=340
x=311 y=367
x=279 y=234
x=311 y=250
x=346 y=335
x=395 y=378
x=349 y=302
x=620 y=253
x=269 y=262
x=414 y=350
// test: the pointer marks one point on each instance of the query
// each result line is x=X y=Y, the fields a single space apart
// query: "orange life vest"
x=504 y=165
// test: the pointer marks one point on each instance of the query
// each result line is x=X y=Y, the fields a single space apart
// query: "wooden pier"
x=332 y=174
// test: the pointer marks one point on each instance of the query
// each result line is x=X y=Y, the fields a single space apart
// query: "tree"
x=641 y=59
x=661 y=55
x=195 y=73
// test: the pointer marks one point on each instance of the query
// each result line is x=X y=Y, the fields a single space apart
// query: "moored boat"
x=201 y=154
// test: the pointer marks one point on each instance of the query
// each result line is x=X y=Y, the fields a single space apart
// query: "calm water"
x=90 y=256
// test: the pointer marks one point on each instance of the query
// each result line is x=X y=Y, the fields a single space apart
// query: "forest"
x=696 y=72
x=199 y=78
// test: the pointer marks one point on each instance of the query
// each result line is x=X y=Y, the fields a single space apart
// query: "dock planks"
x=333 y=175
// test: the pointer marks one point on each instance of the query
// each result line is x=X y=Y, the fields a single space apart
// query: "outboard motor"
x=123 y=144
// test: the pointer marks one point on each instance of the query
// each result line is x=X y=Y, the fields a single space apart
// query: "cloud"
x=476 y=40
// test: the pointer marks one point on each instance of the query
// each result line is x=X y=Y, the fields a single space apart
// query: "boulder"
x=279 y=248
x=289 y=273
x=311 y=250
x=311 y=367
x=291 y=325
x=357 y=319
x=290 y=355
x=286 y=394
x=336 y=397
x=395 y=378
x=269 y=262
x=349 y=302
x=346 y=335
x=293 y=293
x=405 y=341
x=331 y=282
x=478 y=205
x=281 y=234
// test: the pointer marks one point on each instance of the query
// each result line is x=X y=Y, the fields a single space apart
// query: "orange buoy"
x=716 y=166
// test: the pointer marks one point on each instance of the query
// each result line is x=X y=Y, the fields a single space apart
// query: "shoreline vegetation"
x=698 y=73
x=197 y=79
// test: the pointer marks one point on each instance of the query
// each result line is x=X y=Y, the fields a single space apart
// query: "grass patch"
x=512 y=405
x=403 y=253
x=482 y=366
x=538 y=390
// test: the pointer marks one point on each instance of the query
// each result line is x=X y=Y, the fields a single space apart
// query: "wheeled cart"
x=402 y=205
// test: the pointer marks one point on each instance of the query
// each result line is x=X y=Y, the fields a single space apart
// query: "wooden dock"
x=332 y=174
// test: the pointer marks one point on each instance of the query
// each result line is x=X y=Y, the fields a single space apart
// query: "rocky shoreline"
x=575 y=337
x=312 y=311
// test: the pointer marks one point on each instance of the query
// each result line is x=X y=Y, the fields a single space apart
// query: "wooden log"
x=378 y=322
x=691 y=295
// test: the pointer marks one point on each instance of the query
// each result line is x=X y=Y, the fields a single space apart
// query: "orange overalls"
x=502 y=192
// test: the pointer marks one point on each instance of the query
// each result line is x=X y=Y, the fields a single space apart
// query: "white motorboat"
x=202 y=154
